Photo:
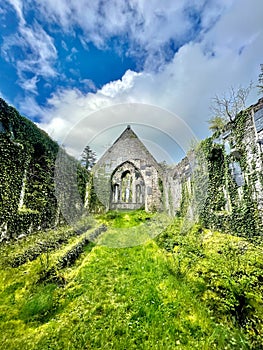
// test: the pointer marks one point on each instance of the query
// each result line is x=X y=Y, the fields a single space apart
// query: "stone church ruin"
x=127 y=176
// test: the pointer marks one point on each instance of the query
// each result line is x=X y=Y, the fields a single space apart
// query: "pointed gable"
x=126 y=147
x=127 y=176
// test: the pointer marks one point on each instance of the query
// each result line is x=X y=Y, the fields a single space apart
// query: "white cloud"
x=89 y=83
x=185 y=86
x=226 y=52
x=29 y=106
x=146 y=26
x=18 y=6
x=37 y=46
x=30 y=84
x=119 y=87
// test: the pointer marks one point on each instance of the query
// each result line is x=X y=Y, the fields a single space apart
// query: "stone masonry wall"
x=174 y=178
x=128 y=148
x=246 y=152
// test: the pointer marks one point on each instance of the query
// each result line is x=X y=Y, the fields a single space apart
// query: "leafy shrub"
x=225 y=273
x=46 y=245
x=50 y=274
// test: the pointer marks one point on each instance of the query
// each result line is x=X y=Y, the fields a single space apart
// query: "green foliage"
x=27 y=189
x=204 y=291
x=217 y=124
x=224 y=272
x=30 y=247
x=91 y=201
x=71 y=256
x=124 y=219
x=128 y=229
x=83 y=178
x=27 y=155
x=185 y=201
x=40 y=305
x=88 y=158
x=228 y=207
x=160 y=185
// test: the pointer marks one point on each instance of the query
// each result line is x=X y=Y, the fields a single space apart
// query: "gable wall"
x=128 y=148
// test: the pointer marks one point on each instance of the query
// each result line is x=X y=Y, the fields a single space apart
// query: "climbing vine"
x=232 y=206
x=27 y=189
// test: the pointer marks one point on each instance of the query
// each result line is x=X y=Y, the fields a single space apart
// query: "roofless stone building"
x=127 y=176
x=226 y=193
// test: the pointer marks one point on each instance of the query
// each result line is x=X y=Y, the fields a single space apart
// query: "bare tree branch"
x=229 y=105
x=260 y=80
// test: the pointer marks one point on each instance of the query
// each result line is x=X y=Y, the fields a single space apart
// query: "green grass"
x=16 y=253
x=202 y=290
x=128 y=229
x=125 y=219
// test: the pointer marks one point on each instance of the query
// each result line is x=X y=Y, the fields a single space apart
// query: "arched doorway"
x=127 y=186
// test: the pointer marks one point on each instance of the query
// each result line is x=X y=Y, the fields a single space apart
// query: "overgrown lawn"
x=202 y=290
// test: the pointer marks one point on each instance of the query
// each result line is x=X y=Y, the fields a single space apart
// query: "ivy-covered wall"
x=27 y=190
x=227 y=193
x=236 y=191
x=234 y=199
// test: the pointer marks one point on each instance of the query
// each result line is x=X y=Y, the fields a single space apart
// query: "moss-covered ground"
x=195 y=290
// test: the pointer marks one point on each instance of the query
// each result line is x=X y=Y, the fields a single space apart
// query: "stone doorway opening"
x=127 y=188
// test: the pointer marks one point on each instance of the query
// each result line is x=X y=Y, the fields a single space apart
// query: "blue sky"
x=63 y=61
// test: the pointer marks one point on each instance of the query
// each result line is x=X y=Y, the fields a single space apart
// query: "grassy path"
x=113 y=298
x=116 y=299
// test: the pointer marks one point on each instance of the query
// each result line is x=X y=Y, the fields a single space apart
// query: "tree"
x=88 y=158
x=217 y=123
x=260 y=80
x=229 y=105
